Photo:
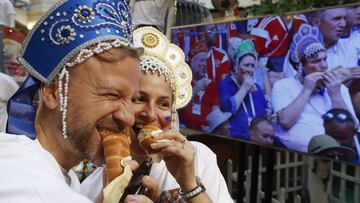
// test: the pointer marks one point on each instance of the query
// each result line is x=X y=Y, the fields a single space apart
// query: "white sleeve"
x=279 y=96
x=347 y=99
x=207 y=169
x=9 y=8
x=92 y=186
x=28 y=175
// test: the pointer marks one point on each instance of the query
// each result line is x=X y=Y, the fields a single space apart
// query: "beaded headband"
x=306 y=42
x=69 y=28
x=166 y=59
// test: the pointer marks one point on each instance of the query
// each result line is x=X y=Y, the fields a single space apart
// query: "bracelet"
x=200 y=188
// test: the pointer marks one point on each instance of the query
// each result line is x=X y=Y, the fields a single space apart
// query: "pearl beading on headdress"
x=313 y=49
x=63 y=97
x=156 y=66
x=162 y=57
x=101 y=47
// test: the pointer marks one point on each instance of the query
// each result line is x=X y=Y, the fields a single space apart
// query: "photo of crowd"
x=289 y=81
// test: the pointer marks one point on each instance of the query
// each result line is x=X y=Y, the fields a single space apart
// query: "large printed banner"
x=288 y=81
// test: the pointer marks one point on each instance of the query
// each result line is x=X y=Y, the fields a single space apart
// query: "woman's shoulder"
x=202 y=149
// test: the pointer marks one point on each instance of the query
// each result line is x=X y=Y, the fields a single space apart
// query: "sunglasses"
x=341 y=117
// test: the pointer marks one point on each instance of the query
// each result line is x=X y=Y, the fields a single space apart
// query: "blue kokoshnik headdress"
x=306 y=42
x=61 y=39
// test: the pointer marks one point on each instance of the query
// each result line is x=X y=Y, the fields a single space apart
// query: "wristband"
x=200 y=188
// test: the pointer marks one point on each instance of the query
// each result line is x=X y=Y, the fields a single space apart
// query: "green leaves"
x=280 y=7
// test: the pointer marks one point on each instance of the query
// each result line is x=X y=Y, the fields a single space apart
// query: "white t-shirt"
x=310 y=122
x=6 y=10
x=205 y=167
x=8 y=87
x=346 y=52
x=149 y=12
x=29 y=173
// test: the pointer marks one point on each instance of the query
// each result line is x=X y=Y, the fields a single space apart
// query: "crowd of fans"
x=272 y=80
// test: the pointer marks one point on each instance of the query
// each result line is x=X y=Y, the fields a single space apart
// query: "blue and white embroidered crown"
x=68 y=29
x=306 y=42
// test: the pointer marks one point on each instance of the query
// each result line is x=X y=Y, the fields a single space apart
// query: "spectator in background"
x=300 y=101
x=151 y=13
x=325 y=145
x=238 y=92
x=218 y=122
x=271 y=39
x=8 y=87
x=218 y=64
x=261 y=75
x=205 y=97
x=340 y=124
x=12 y=45
x=262 y=131
x=332 y=24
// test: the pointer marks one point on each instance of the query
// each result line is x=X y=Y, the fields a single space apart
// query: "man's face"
x=263 y=133
x=331 y=24
x=100 y=96
x=340 y=131
x=316 y=64
x=199 y=66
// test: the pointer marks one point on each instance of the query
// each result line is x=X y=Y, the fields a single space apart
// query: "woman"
x=238 y=92
x=164 y=87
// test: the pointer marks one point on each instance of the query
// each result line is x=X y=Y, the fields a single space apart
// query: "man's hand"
x=332 y=84
x=311 y=80
x=201 y=84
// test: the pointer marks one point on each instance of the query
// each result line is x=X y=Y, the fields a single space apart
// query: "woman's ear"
x=50 y=94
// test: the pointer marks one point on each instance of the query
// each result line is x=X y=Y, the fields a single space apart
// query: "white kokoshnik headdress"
x=164 y=58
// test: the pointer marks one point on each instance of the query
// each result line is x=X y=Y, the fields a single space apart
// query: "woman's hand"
x=247 y=83
x=179 y=156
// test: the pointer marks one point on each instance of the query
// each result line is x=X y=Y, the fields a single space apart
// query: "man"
x=262 y=131
x=12 y=45
x=340 y=124
x=85 y=70
x=332 y=24
x=205 y=97
x=300 y=101
x=217 y=61
x=8 y=88
x=152 y=13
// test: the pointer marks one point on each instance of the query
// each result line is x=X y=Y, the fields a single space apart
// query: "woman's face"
x=246 y=66
x=153 y=106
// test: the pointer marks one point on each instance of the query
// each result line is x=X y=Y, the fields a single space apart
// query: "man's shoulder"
x=285 y=82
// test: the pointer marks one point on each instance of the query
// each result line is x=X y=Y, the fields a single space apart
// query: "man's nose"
x=125 y=116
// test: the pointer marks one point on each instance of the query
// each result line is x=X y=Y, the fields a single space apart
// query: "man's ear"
x=50 y=94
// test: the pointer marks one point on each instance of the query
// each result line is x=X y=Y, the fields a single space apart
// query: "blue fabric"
x=278 y=143
x=69 y=27
x=21 y=112
x=239 y=127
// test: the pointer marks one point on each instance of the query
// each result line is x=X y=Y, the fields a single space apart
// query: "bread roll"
x=342 y=73
x=146 y=138
x=116 y=147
